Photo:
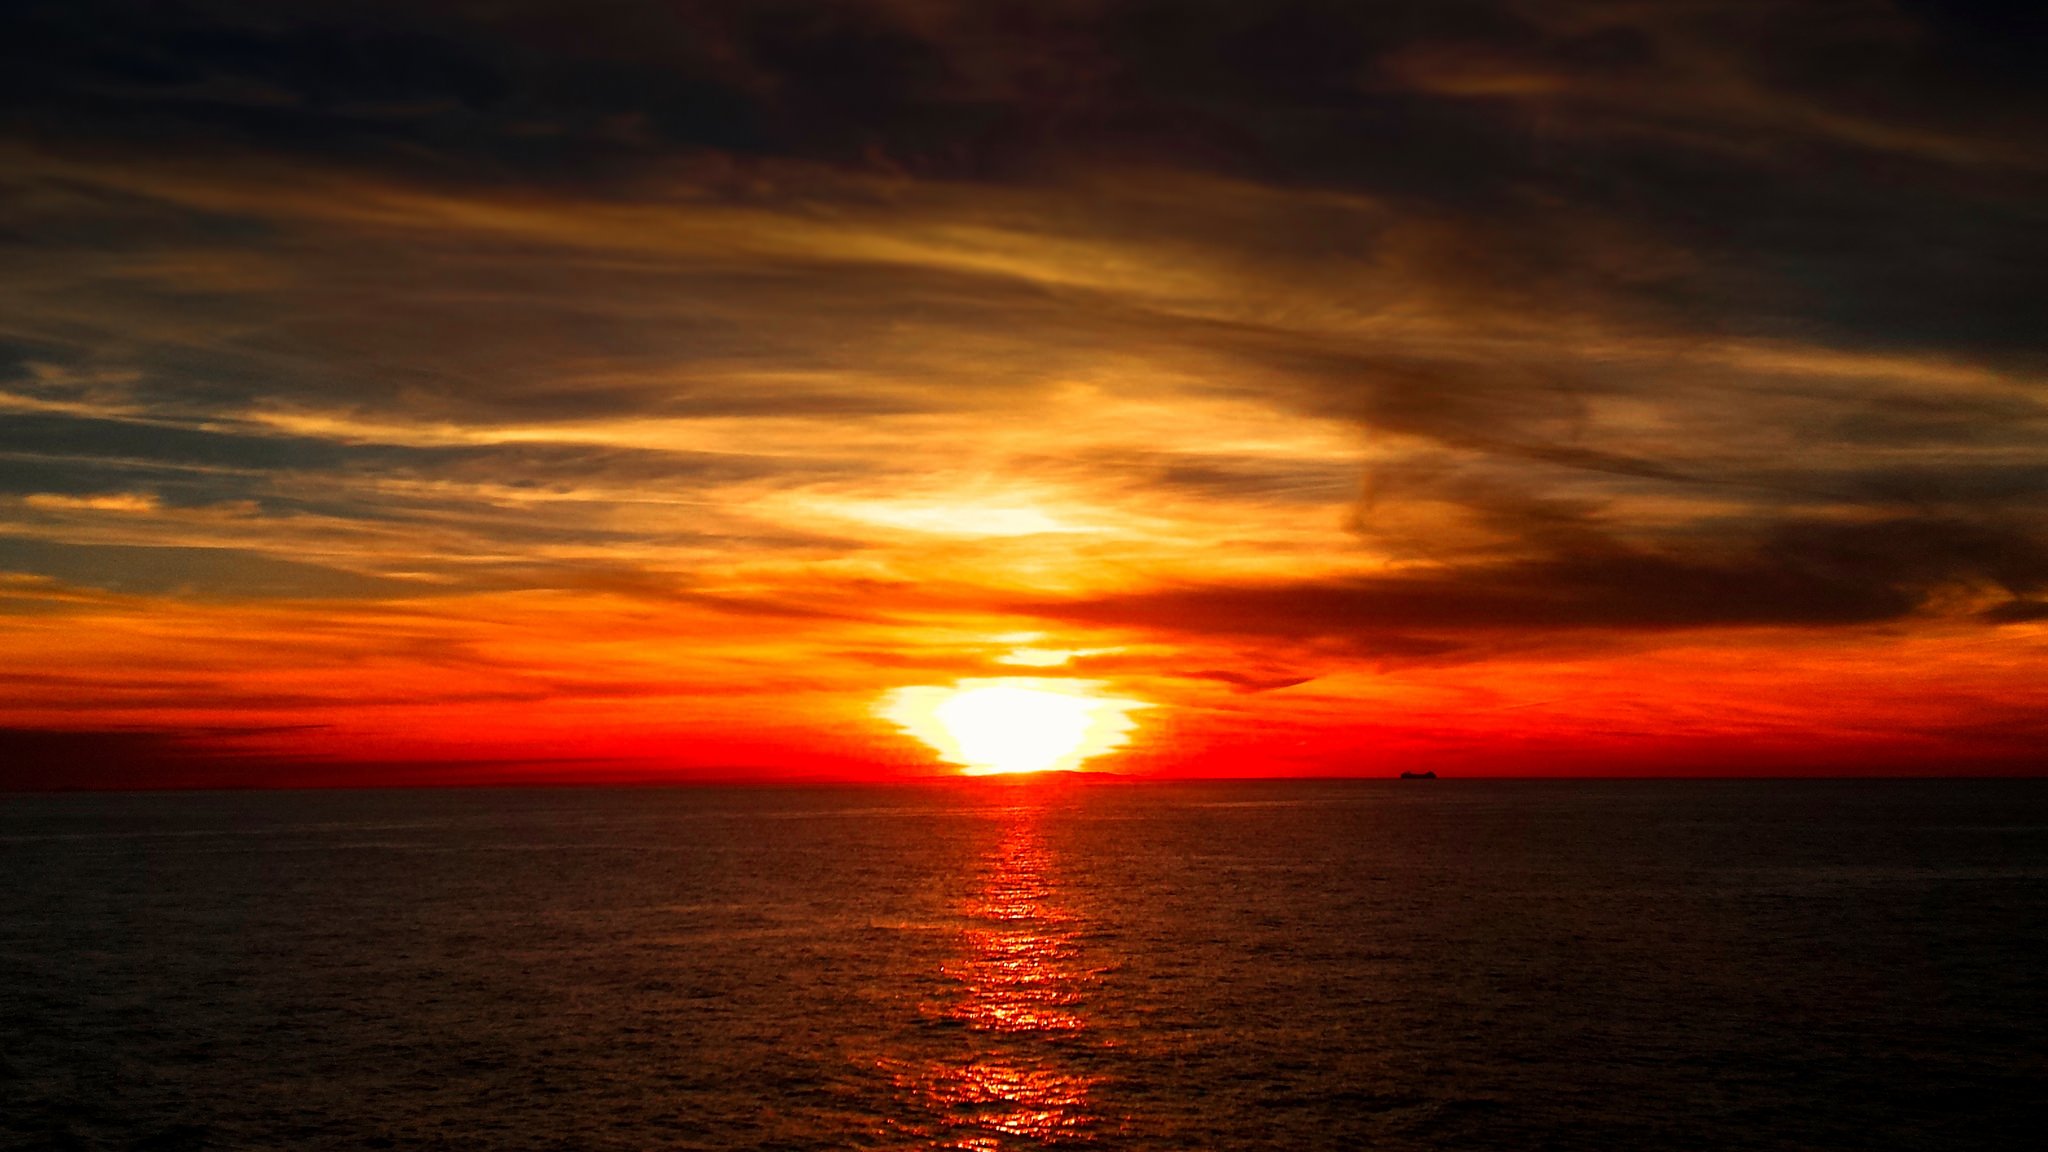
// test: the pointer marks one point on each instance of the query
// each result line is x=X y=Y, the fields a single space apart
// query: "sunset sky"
x=423 y=392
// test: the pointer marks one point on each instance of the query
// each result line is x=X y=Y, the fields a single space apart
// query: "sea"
x=1058 y=963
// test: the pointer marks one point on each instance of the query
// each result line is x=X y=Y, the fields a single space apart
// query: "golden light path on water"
x=1013 y=723
x=1020 y=982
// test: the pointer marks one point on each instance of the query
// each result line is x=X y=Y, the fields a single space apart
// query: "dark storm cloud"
x=1744 y=168
x=1576 y=195
x=1810 y=575
x=2017 y=612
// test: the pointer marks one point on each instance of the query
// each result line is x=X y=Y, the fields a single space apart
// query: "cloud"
x=1379 y=332
x=1800 y=576
x=2017 y=612
x=219 y=572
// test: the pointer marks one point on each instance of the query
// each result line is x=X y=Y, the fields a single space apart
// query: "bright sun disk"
x=1013 y=724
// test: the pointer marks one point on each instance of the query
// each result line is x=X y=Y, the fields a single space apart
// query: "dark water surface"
x=1443 y=964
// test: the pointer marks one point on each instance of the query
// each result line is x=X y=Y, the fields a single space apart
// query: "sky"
x=459 y=392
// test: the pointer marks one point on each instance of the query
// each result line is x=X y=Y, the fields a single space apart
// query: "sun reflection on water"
x=1019 y=986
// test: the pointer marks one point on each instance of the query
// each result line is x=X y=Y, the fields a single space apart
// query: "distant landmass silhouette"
x=1418 y=775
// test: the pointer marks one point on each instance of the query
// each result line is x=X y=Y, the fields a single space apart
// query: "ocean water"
x=1394 y=965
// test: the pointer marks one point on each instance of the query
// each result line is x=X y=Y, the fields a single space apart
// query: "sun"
x=1013 y=724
